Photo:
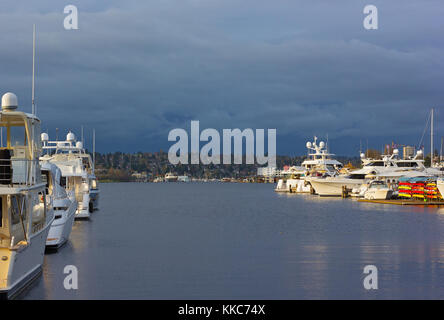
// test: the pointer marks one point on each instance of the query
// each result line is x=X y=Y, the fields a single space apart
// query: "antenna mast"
x=440 y=156
x=94 y=149
x=431 y=139
x=33 y=70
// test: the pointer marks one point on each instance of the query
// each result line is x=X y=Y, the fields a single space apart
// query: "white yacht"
x=24 y=220
x=378 y=190
x=170 y=177
x=440 y=186
x=60 y=203
x=77 y=171
x=389 y=168
x=318 y=163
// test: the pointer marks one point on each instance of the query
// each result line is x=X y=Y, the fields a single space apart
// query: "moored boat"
x=63 y=207
x=77 y=169
x=318 y=163
x=24 y=220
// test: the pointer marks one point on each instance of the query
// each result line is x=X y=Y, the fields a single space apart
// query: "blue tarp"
x=416 y=179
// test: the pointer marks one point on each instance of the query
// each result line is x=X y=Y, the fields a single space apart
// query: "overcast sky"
x=134 y=70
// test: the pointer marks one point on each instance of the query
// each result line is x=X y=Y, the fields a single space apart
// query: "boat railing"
x=18 y=171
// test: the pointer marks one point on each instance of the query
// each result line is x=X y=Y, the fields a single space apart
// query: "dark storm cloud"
x=135 y=70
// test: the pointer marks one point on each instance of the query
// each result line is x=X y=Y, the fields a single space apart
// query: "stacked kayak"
x=418 y=190
x=405 y=190
x=431 y=191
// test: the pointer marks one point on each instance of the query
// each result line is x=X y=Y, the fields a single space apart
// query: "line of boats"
x=44 y=186
x=377 y=179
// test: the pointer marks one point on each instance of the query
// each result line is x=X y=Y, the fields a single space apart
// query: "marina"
x=48 y=184
x=245 y=152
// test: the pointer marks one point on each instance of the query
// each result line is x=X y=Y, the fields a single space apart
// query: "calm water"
x=244 y=241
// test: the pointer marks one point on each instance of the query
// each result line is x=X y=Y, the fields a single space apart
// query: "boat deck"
x=404 y=202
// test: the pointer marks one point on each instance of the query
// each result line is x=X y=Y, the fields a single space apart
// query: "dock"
x=402 y=202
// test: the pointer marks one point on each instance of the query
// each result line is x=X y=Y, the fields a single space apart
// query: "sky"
x=134 y=70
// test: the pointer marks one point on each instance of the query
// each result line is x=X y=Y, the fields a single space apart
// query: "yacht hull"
x=333 y=187
x=440 y=186
x=23 y=264
x=292 y=185
x=382 y=194
x=61 y=228
x=83 y=208
x=94 y=195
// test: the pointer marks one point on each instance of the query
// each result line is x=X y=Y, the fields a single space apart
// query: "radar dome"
x=419 y=152
x=362 y=155
x=308 y=145
x=9 y=101
x=79 y=144
x=395 y=151
x=70 y=137
x=322 y=144
x=44 y=136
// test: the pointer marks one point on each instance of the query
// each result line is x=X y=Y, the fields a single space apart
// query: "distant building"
x=267 y=171
x=408 y=152
x=141 y=177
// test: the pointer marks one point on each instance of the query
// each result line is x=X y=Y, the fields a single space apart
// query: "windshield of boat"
x=376 y=164
x=407 y=164
x=356 y=176
x=378 y=184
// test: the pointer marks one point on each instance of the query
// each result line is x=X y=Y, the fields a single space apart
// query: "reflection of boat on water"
x=170 y=177
x=63 y=207
x=24 y=220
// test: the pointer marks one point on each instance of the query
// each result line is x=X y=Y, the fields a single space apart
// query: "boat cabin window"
x=15 y=210
x=407 y=164
x=46 y=179
x=376 y=164
x=85 y=162
x=17 y=136
x=357 y=176
x=63 y=182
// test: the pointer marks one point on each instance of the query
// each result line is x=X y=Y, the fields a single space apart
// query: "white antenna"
x=431 y=139
x=440 y=156
x=94 y=149
x=33 y=71
x=83 y=142
x=327 y=142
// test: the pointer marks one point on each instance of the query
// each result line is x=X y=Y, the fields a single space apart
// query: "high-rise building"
x=408 y=152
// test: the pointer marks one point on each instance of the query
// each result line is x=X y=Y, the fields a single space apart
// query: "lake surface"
x=244 y=241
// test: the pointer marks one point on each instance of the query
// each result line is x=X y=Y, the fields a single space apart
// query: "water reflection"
x=244 y=241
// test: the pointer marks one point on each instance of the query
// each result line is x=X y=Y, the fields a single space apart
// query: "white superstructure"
x=318 y=163
x=77 y=169
x=389 y=168
x=24 y=220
